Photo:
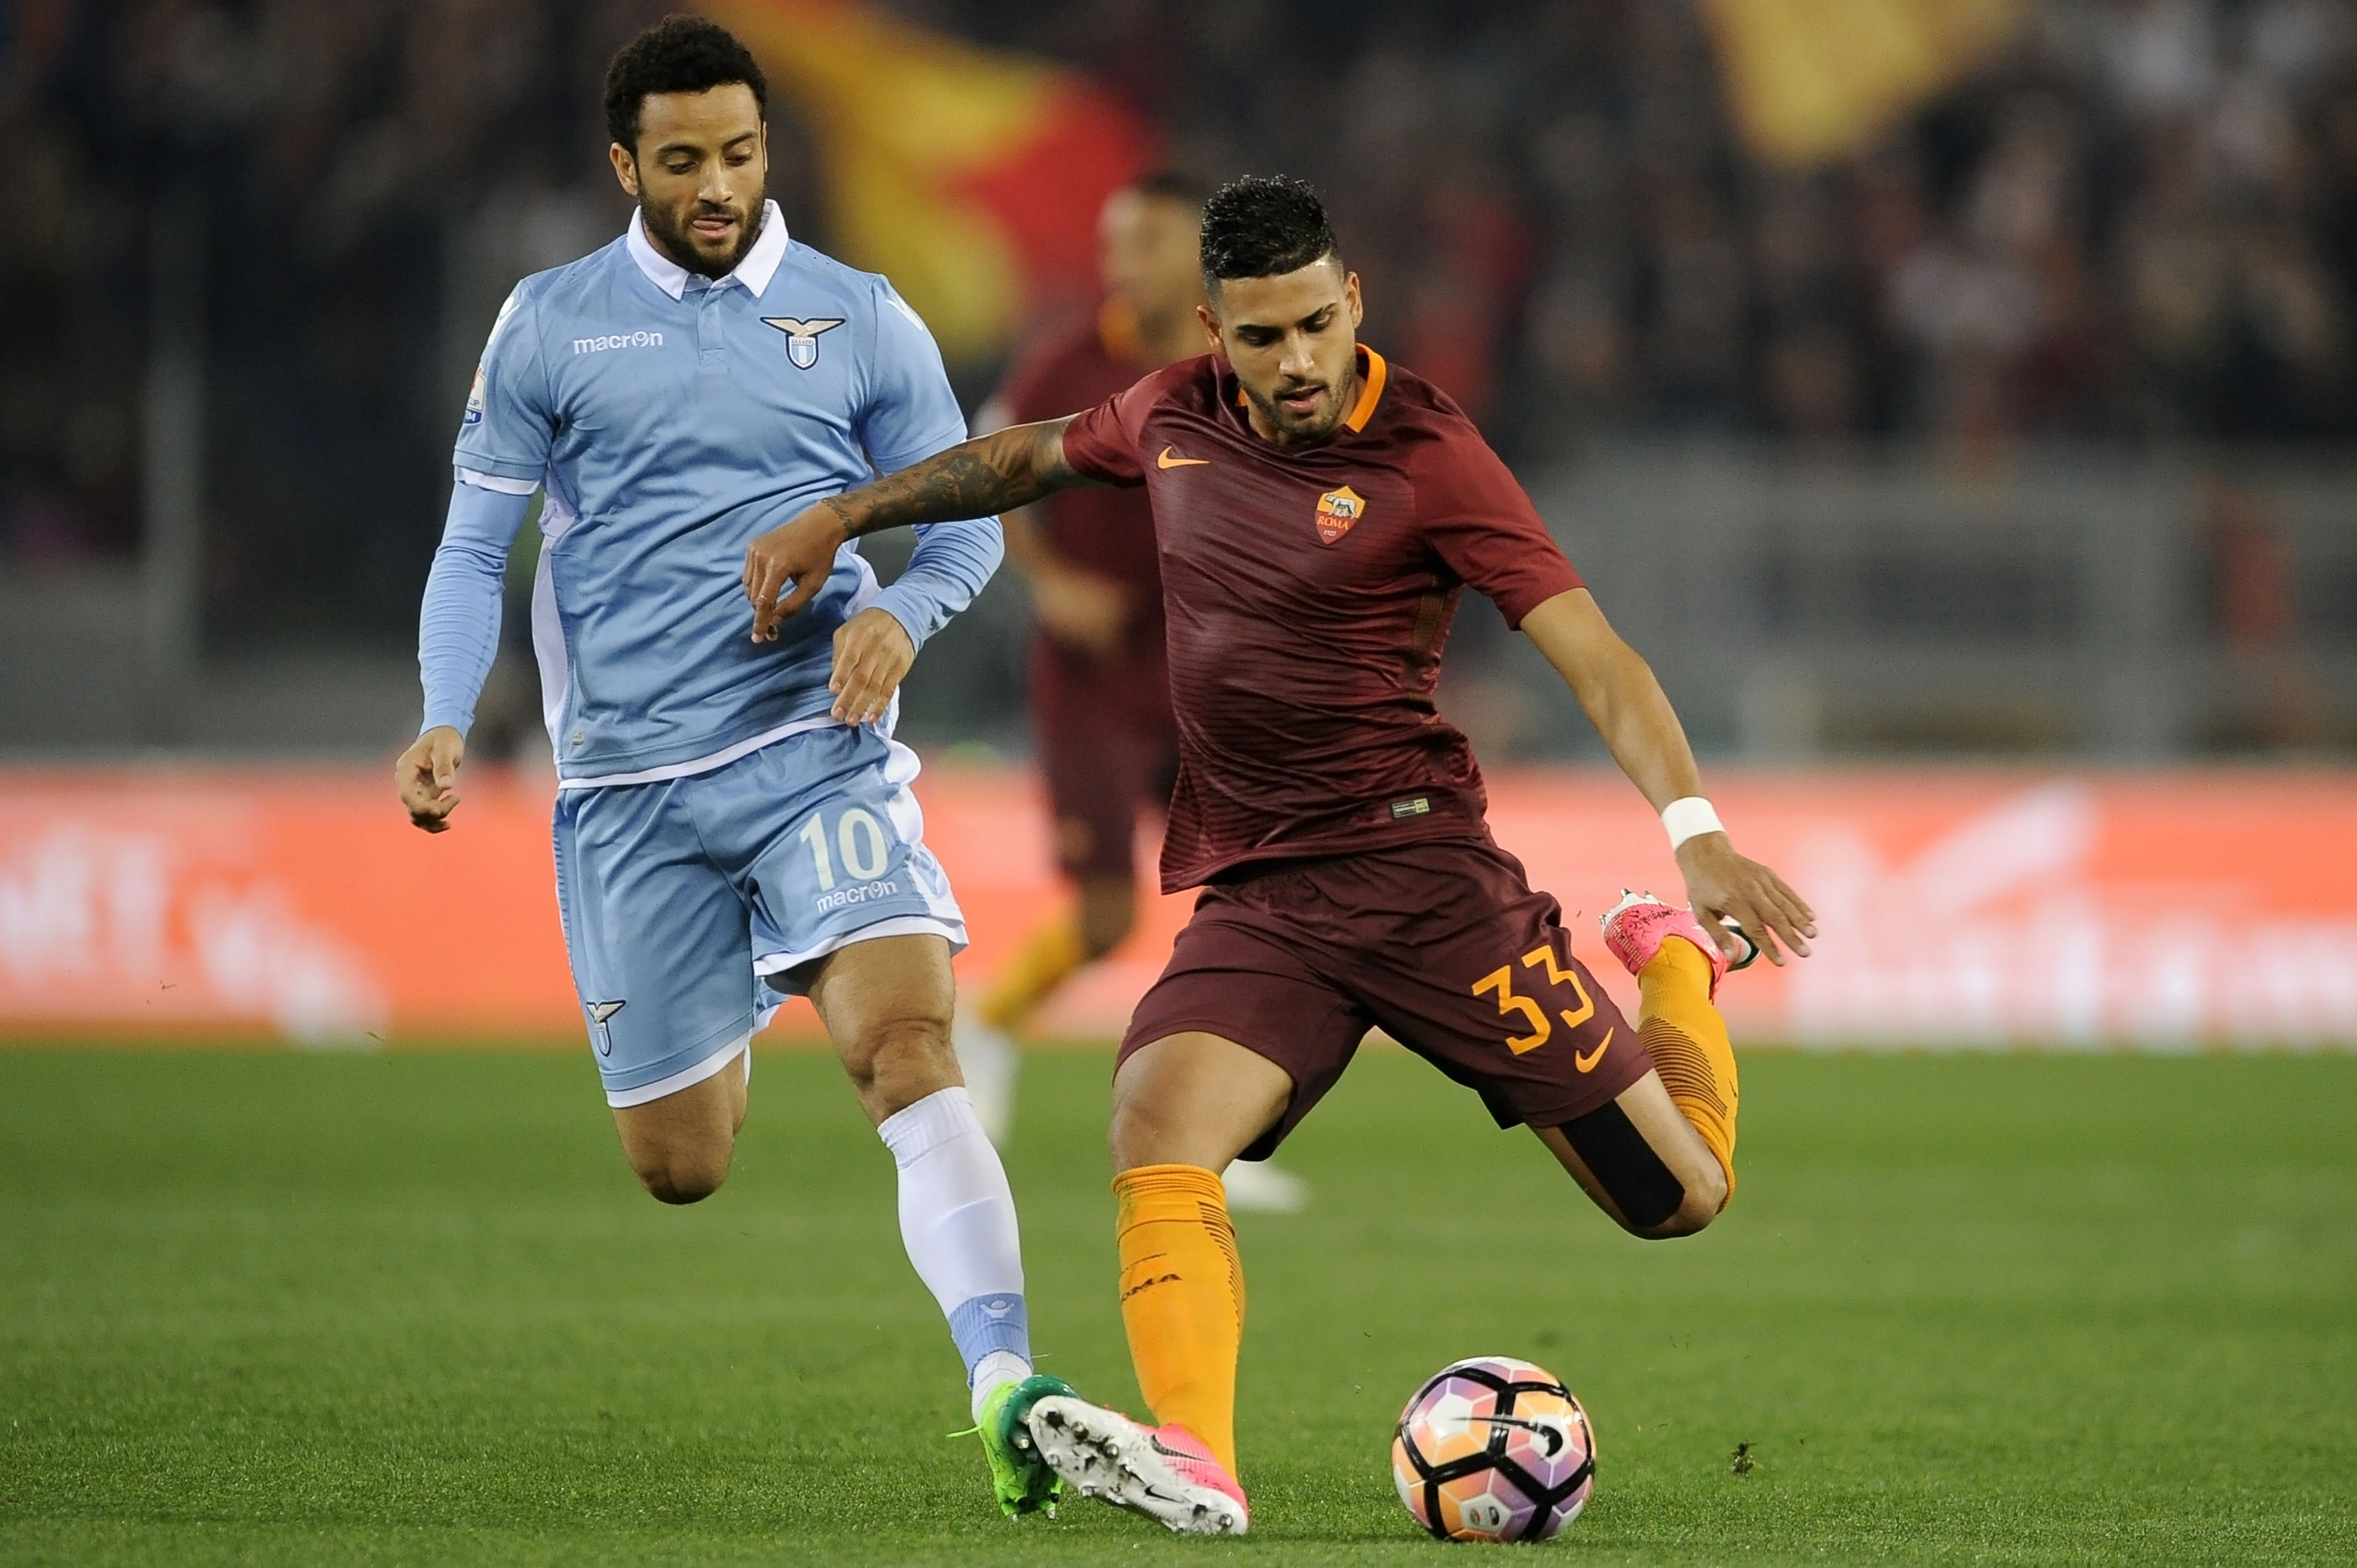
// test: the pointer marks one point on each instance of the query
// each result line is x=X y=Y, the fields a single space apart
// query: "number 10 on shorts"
x=1501 y=981
x=866 y=850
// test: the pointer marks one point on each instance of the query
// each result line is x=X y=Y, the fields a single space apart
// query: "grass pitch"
x=414 y=1309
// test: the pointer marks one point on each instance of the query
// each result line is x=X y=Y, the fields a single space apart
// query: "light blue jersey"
x=671 y=420
x=718 y=834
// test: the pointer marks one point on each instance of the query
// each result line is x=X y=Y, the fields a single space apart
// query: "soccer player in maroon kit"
x=1319 y=513
x=1100 y=684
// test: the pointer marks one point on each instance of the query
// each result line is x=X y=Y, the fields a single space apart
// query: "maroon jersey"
x=1310 y=591
x=1110 y=532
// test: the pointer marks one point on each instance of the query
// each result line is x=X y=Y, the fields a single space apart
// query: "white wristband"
x=1687 y=816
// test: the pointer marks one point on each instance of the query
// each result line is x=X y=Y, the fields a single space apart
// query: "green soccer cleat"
x=1020 y=1477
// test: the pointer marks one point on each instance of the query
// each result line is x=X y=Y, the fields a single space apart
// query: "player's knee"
x=682 y=1175
x=1129 y=1135
x=1655 y=1193
x=1701 y=1194
x=1709 y=1189
x=901 y=1059
x=1141 y=1133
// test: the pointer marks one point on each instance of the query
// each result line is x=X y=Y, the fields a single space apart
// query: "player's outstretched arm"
x=1618 y=690
x=977 y=479
x=457 y=637
x=1082 y=609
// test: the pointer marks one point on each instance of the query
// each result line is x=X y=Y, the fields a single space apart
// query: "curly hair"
x=1263 y=226
x=678 y=54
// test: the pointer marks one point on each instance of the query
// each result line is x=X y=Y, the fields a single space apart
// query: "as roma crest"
x=1337 y=511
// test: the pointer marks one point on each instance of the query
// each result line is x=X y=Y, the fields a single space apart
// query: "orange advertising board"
x=1958 y=908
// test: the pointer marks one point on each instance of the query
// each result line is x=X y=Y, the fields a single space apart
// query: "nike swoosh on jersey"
x=1586 y=1060
x=1166 y=459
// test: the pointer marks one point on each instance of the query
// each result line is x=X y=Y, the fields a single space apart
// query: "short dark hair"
x=1170 y=185
x=1263 y=226
x=678 y=54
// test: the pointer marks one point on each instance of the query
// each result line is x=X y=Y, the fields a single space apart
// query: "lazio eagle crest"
x=802 y=336
x=600 y=1012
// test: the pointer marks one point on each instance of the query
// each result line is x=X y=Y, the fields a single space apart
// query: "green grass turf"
x=413 y=1309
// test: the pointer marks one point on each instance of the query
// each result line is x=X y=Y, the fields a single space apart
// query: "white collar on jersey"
x=760 y=265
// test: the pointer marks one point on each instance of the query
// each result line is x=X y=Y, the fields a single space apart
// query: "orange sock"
x=1688 y=1040
x=1182 y=1298
x=1048 y=956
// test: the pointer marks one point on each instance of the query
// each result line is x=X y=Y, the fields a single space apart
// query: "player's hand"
x=1720 y=882
x=872 y=653
x=427 y=776
x=794 y=561
x=1081 y=608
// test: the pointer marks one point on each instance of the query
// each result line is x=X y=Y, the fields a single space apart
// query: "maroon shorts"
x=1103 y=760
x=1440 y=944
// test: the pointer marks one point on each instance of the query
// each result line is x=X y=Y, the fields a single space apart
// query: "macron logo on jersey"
x=617 y=341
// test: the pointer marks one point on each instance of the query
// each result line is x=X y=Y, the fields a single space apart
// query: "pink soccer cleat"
x=1633 y=929
x=1165 y=1472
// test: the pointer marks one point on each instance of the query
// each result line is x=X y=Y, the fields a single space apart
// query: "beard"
x=679 y=241
x=1293 y=427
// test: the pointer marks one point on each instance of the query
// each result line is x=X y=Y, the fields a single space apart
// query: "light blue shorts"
x=691 y=904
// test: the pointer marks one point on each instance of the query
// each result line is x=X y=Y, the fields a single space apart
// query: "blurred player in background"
x=1319 y=514
x=733 y=821
x=1099 y=674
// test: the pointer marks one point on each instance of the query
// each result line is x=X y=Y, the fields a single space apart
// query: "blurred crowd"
x=2139 y=221
x=331 y=171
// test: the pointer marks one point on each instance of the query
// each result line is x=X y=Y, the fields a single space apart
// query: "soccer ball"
x=1494 y=1449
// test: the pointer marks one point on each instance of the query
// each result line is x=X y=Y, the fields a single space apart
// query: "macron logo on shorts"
x=866 y=892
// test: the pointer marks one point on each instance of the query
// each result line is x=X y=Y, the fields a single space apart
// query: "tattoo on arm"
x=990 y=474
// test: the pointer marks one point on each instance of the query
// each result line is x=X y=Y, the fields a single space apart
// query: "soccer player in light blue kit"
x=733 y=819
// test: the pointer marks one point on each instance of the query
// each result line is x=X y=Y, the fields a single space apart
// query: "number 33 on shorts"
x=1555 y=977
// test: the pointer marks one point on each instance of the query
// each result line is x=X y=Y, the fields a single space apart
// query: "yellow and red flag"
x=1813 y=80
x=971 y=177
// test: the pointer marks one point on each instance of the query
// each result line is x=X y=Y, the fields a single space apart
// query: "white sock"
x=957 y=1221
x=998 y=1367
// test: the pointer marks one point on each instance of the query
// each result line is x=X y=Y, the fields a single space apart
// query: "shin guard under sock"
x=1182 y=1298
x=957 y=1221
x=1688 y=1041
